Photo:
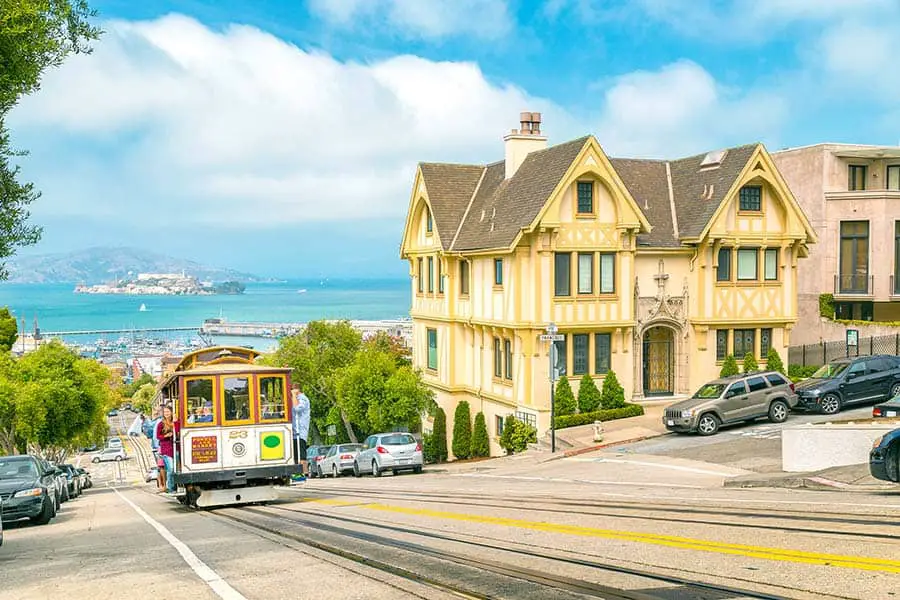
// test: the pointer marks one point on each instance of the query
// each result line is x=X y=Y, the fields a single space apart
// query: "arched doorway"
x=659 y=361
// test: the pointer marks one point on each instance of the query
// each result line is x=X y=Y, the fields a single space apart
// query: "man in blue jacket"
x=300 y=424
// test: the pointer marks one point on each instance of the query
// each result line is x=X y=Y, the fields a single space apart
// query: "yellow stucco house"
x=655 y=269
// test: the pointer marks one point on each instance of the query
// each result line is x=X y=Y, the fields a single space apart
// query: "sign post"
x=853 y=341
x=552 y=336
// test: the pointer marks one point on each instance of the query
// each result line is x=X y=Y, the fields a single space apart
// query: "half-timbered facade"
x=654 y=269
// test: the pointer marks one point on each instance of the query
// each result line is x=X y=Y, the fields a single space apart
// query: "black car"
x=887 y=410
x=884 y=459
x=850 y=381
x=27 y=490
x=72 y=479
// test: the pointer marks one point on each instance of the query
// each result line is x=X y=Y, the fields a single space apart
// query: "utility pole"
x=553 y=336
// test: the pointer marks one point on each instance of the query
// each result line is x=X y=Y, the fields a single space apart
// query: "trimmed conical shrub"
x=564 y=398
x=750 y=363
x=613 y=394
x=588 y=395
x=729 y=367
x=481 y=445
x=462 y=431
x=439 y=439
x=773 y=361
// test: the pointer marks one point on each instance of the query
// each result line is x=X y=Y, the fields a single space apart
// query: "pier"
x=114 y=331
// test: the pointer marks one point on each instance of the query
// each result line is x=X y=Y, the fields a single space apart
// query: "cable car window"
x=200 y=407
x=271 y=398
x=237 y=398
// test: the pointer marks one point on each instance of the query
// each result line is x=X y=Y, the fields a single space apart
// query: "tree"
x=35 y=35
x=9 y=330
x=588 y=395
x=750 y=363
x=391 y=345
x=516 y=435
x=142 y=399
x=129 y=390
x=729 y=367
x=462 y=431
x=773 y=361
x=439 y=434
x=564 y=398
x=613 y=394
x=481 y=445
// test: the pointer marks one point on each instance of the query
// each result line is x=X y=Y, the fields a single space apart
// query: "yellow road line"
x=777 y=554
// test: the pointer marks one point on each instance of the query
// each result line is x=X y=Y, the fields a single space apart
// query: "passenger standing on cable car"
x=167 y=432
x=300 y=424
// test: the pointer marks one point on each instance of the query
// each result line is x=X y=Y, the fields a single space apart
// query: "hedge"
x=798 y=372
x=826 y=305
x=630 y=410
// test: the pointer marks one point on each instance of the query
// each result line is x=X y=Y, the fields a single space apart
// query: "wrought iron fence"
x=823 y=352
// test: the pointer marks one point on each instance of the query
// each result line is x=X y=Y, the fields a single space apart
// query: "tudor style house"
x=655 y=269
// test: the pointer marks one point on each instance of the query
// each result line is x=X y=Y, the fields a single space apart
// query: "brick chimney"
x=521 y=142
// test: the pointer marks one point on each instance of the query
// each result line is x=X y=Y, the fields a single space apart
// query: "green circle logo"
x=271 y=441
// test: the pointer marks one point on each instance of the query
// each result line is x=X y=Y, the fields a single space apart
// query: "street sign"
x=546 y=337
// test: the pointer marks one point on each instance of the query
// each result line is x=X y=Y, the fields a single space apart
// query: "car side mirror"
x=853 y=375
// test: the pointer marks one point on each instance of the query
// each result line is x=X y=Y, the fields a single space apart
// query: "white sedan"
x=339 y=460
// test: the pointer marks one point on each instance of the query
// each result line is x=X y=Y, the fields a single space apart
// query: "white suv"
x=389 y=452
x=108 y=454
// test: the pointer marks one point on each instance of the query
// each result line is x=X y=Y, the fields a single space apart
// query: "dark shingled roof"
x=500 y=208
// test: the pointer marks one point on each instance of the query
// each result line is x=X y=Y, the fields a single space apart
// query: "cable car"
x=235 y=440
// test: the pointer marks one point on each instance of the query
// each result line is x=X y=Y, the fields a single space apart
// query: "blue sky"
x=281 y=136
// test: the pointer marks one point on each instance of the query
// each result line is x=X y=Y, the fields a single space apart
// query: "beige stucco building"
x=654 y=269
x=851 y=194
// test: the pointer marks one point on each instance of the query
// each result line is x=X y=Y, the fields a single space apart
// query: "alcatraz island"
x=163 y=284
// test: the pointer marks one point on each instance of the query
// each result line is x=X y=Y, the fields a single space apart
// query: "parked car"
x=316 y=459
x=73 y=481
x=734 y=399
x=109 y=454
x=114 y=442
x=339 y=459
x=27 y=489
x=113 y=413
x=85 y=476
x=850 y=381
x=887 y=410
x=59 y=479
x=388 y=452
x=884 y=458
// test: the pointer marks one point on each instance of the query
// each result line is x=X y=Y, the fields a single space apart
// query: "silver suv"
x=734 y=399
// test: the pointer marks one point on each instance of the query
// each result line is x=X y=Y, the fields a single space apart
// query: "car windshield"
x=398 y=440
x=17 y=468
x=830 y=371
x=710 y=390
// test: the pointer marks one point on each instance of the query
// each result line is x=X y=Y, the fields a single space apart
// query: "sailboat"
x=143 y=308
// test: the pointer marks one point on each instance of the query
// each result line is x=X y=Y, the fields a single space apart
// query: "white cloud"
x=486 y=19
x=860 y=57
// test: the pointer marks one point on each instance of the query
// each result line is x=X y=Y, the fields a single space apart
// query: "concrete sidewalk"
x=853 y=478
x=573 y=441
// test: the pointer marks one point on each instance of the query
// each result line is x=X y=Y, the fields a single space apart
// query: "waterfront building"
x=851 y=194
x=654 y=269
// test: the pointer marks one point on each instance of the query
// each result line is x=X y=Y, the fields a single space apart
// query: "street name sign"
x=546 y=337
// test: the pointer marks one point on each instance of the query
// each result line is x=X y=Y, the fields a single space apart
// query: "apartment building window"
x=432 y=349
x=562 y=357
x=498 y=358
x=857 y=178
x=854 y=261
x=771 y=264
x=601 y=353
x=748 y=264
x=498 y=425
x=892 y=178
x=507 y=359
x=430 y=274
x=464 y=278
x=607 y=273
x=750 y=198
x=744 y=342
x=420 y=283
x=721 y=344
x=585 y=197
x=765 y=341
x=429 y=222
x=723 y=269
x=562 y=273
x=440 y=277
x=580 y=350
x=498 y=271
x=586 y=273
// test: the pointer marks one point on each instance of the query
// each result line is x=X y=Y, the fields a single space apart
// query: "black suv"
x=850 y=381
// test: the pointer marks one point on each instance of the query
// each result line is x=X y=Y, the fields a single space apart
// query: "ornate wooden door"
x=658 y=355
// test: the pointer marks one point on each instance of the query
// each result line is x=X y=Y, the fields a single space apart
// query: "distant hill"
x=100 y=265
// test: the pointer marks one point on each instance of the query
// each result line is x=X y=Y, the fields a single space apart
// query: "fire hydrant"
x=598 y=431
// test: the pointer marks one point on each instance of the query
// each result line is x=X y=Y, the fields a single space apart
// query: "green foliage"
x=52 y=400
x=481 y=444
x=462 y=431
x=142 y=400
x=729 y=367
x=129 y=390
x=588 y=395
x=773 y=361
x=391 y=345
x=9 y=330
x=516 y=435
x=428 y=450
x=750 y=363
x=439 y=435
x=564 y=398
x=826 y=305
x=629 y=410
x=798 y=372
x=613 y=394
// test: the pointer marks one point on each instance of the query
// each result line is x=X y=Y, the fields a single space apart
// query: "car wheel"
x=778 y=411
x=95 y=460
x=417 y=470
x=376 y=472
x=895 y=390
x=356 y=472
x=334 y=471
x=46 y=513
x=118 y=458
x=708 y=424
x=831 y=404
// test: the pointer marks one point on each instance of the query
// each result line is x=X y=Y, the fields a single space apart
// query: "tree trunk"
x=349 y=428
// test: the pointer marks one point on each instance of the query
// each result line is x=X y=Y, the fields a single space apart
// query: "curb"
x=806 y=483
x=587 y=449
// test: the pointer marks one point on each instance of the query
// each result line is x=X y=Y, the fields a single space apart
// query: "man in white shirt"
x=300 y=423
